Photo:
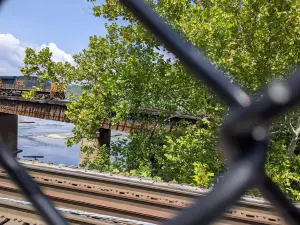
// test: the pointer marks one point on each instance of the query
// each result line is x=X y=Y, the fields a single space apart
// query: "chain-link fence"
x=244 y=134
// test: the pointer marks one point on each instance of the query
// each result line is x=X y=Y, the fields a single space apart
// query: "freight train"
x=16 y=85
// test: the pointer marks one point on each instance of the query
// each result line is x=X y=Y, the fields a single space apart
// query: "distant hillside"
x=74 y=89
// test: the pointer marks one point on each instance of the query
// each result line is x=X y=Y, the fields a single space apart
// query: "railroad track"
x=127 y=197
x=22 y=213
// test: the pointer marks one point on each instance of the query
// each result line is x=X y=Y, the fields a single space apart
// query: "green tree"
x=252 y=41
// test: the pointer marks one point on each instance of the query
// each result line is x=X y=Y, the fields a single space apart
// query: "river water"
x=47 y=138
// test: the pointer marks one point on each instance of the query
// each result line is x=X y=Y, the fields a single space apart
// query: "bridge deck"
x=55 y=110
x=43 y=109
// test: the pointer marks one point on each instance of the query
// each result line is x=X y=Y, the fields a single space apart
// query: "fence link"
x=244 y=134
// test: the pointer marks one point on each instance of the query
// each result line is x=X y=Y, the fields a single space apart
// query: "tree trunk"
x=296 y=132
x=293 y=145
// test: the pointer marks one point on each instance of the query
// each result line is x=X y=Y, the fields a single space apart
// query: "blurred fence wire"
x=244 y=134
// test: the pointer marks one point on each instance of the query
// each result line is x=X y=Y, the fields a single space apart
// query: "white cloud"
x=3 y=70
x=59 y=55
x=12 y=53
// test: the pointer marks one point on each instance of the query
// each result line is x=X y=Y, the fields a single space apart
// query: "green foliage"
x=96 y=157
x=41 y=65
x=185 y=155
x=86 y=113
x=284 y=170
x=251 y=40
x=28 y=95
x=127 y=70
x=202 y=177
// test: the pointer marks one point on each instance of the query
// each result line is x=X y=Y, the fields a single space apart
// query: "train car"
x=16 y=85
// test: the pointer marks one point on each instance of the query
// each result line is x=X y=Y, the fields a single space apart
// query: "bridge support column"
x=103 y=138
x=9 y=130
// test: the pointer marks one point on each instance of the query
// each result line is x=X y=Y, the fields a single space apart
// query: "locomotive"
x=16 y=85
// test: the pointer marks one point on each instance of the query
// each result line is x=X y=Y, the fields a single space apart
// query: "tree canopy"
x=128 y=69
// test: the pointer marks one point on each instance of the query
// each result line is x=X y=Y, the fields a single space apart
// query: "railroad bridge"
x=43 y=109
x=11 y=107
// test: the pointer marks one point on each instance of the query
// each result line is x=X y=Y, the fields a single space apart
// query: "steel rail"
x=16 y=213
x=127 y=198
x=29 y=188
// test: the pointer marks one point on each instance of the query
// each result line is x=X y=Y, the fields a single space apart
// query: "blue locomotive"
x=16 y=85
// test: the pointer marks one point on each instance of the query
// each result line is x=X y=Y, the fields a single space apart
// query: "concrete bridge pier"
x=9 y=130
x=103 y=138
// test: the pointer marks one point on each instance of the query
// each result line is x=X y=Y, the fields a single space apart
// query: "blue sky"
x=62 y=25
x=67 y=23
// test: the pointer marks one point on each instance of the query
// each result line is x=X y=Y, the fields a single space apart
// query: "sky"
x=62 y=25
